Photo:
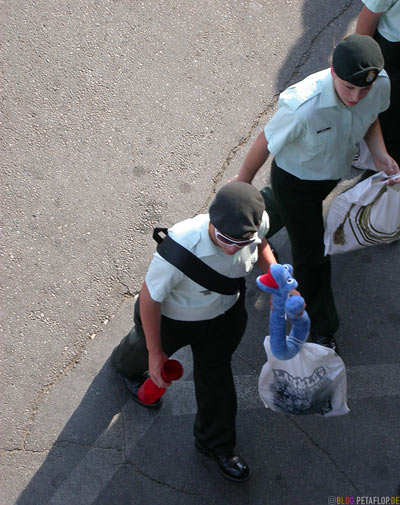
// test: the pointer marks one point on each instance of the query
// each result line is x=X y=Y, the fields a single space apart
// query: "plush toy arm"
x=288 y=347
x=279 y=282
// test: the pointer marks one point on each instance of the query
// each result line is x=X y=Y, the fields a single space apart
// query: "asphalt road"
x=118 y=116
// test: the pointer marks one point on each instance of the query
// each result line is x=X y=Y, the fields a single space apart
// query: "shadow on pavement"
x=312 y=50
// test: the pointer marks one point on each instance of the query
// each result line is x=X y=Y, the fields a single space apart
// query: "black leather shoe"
x=326 y=341
x=232 y=466
x=133 y=386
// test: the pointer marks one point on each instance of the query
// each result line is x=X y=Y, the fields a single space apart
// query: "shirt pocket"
x=322 y=135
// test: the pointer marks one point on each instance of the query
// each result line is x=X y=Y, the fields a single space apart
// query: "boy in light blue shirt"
x=175 y=309
x=313 y=137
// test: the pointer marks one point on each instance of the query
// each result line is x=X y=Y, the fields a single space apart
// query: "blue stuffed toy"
x=279 y=282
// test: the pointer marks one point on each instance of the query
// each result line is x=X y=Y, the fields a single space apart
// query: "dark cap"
x=237 y=210
x=358 y=59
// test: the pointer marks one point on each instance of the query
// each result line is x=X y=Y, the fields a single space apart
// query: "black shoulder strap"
x=193 y=267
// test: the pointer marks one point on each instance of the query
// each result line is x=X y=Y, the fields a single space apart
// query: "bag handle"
x=156 y=234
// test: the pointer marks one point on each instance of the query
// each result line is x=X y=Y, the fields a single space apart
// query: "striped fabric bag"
x=366 y=214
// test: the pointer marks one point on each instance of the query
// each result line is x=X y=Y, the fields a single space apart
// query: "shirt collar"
x=328 y=96
x=205 y=246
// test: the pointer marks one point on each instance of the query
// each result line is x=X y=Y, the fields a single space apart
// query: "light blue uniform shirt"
x=313 y=135
x=185 y=300
x=389 y=22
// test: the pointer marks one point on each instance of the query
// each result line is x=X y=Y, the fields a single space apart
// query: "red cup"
x=149 y=393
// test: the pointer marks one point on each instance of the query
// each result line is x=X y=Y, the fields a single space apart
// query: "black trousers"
x=390 y=118
x=297 y=205
x=212 y=343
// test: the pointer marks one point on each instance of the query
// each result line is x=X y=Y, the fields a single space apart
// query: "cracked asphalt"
x=118 y=116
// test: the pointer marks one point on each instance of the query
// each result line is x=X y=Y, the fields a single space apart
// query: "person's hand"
x=388 y=165
x=156 y=363
x=293 y=292
x=394 y=181
x=235 y=178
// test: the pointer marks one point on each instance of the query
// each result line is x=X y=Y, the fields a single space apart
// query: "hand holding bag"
x=313 y=382
x=367 y=214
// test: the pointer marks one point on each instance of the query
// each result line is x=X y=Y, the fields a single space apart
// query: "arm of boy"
x=367 y=22
x=383 y=161
x=266 y=257
x=254 y=160
x=150 y=314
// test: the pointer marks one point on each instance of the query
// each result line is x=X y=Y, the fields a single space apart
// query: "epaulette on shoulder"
x=297 y=94
x=185 y=236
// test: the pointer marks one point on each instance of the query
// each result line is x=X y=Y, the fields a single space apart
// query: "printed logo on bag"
x=303 y=396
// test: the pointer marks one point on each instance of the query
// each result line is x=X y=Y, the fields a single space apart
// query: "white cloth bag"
x=313 y=382
x=367 y=214
x=363 y=158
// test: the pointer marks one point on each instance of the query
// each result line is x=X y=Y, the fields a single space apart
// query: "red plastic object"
x=268 y=280
x=149 y=393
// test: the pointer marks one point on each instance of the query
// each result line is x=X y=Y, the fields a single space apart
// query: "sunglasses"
x=228 y=241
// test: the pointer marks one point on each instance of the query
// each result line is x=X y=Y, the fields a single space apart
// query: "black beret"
x=237 y=210
x=358 y=59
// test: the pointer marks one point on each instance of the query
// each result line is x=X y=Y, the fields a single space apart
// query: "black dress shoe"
x=232 y=466
x=133 y=386
x=325 y=340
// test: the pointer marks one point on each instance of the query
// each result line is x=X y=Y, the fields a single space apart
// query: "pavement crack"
x=45 y=389
x=232 y=153
x=250 y=365
x=326 y=452
x=65 y=369
x=306 y=53
x=127 y=293
x=123 y=423
x=18 y=450
x=269 y=108
x=159 y=482
x=87 y=446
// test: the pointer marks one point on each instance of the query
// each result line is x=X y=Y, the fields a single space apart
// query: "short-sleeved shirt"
x=185 y=300
x=313 y=134
x=389 y=22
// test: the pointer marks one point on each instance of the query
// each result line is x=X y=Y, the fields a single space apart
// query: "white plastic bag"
x=367 y=214
x=313 y=382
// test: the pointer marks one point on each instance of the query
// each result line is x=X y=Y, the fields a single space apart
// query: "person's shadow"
x=313 y=48
x=96 y=441
x=90 y=426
